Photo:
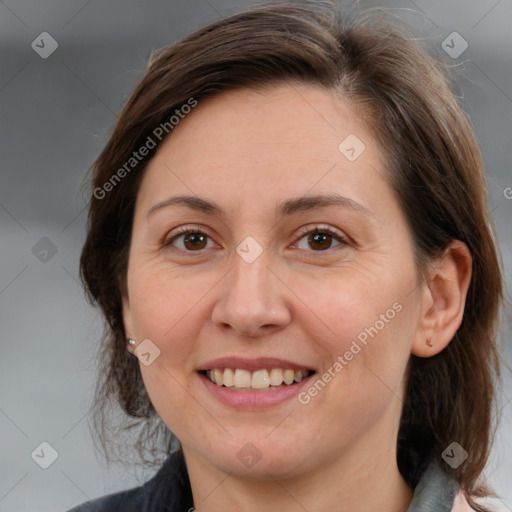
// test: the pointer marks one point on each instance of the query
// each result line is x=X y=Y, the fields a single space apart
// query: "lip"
x=253 y=400
x=252 y=365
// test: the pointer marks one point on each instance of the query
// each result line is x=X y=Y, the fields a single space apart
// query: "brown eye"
x=320 y=239
x=188 y=240
x=194 y=241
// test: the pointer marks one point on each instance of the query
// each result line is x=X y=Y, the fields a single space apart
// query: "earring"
x=131 y=343
x=429 y=342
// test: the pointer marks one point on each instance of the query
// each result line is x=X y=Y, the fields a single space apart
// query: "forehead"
x=287 y=139
x=281 y=116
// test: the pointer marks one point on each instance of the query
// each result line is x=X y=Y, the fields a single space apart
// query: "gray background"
x=56 y=114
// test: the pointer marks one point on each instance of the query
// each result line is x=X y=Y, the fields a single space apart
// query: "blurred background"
x=66 y=70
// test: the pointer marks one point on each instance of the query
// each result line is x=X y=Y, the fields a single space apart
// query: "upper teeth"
x=259 y=379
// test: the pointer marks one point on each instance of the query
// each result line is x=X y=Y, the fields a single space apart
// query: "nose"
x=253 y=299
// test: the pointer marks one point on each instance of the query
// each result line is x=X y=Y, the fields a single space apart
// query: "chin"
x=261 y=459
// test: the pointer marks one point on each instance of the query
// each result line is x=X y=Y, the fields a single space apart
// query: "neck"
x=363 y=480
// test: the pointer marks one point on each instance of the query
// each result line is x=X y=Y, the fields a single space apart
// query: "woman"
x=289 y=240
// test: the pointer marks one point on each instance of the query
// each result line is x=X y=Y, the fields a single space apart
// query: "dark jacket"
x=169 y=491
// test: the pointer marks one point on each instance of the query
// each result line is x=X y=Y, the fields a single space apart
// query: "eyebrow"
x=288 y=207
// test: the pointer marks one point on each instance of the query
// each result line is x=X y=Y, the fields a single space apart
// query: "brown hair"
x=435 y=169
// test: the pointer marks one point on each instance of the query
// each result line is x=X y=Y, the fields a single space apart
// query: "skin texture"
x=249 y=151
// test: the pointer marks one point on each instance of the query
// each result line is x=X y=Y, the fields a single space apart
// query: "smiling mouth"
x=258 y=380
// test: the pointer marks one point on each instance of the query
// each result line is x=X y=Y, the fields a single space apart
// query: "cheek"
x=362 y=324
x=166 y=308
x=350 y=304
x=364 y=365
x=169 y=310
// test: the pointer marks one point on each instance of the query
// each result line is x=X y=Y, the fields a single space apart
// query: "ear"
x=443 y=300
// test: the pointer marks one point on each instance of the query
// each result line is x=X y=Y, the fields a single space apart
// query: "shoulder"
x=170 y=486
x=126 y=501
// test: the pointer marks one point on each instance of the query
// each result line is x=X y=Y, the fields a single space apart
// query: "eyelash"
x=302 y=232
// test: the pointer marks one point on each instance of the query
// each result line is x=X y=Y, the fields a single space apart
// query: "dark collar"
x=435 y=491
x=169 y=490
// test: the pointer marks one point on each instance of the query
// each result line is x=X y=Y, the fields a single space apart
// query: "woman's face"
x=252 y=292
